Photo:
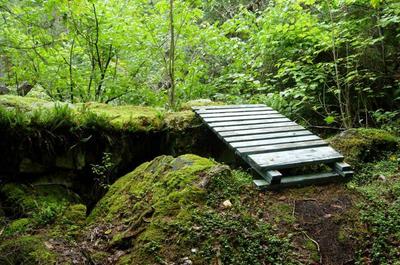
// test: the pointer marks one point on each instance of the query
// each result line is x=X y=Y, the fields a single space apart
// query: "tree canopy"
x=330 y=63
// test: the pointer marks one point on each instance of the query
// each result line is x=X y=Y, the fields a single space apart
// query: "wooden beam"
x=244 y=118
x=296 y=158
x=234 y=114
x=222 y=111
x=246 y=106
x=275 y=141
x=266 y=136
x=280 y=147
x=259 y=121
x=261 y=131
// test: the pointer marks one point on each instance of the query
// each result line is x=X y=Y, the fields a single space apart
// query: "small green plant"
x=47 y=212
x=61 y=116
x=388 y=120
x=14 y=118
x=104 y=170
x=92 y=120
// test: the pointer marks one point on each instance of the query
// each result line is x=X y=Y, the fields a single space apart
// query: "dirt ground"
x=322 y=220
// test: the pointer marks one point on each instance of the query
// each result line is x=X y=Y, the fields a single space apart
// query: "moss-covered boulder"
x=184 y=210
x=27 y=250
x=364 y=145
x=42 y=203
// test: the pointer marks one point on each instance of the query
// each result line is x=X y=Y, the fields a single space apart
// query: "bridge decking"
x=269 y=142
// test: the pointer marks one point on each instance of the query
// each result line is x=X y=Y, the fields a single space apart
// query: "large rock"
x=364 y=145
x=4 y=90
x=160 y=177
x=172 y=210
x=24 y=88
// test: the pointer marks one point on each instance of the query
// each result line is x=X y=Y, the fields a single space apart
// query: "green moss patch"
x=26 y=250
x=24 y=112
x=364 y=145
x=18 y=226
x=378 y=184
x=43 y=203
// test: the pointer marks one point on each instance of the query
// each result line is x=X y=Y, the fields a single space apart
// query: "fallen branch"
x=316 y=243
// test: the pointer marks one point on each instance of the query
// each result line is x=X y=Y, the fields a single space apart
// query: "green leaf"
x=329 y=119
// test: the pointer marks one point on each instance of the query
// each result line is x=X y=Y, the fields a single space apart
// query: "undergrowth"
x=379 y=185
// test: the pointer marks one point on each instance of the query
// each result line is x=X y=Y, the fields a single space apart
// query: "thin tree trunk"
x=104 y=72
x=337 y=79
x=172 y=56
x=383 y=50
x=71 y=80
x=91 y=77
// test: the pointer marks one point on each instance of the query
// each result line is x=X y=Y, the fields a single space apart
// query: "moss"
x=282 y=213
x=74 y=215
x=26 y=250
x=342 y=235
x=23 y=103
x=378 y=186
x=18 y=226
x=43 y=202
x=181 y=120
x=162 y=177
x=99 y=257
x=30 y=112
x=311 y=246
x=128 y=116
x=200 y=102
x=68 y=224
x=364 y=145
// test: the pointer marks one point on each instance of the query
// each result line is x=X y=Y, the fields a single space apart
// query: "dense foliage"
x=332 y=62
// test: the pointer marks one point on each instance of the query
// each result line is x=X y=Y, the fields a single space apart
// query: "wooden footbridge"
x=271 y=143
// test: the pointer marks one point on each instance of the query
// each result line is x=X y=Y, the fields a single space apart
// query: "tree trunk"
x=172 y=56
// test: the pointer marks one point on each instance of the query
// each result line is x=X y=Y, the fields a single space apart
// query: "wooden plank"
x=275 y=141
x=345 y=174
x=274 y=175
x=261 y=183
x=228 y=106
x=234 y=114
x=309 y=179
x=244 y=118
x=260 y=131
x=234 y=123
x=293 y=158
x=343 y=169
x=266 y=136
x=280 y=147
x=254 y=126
x=342 y=166
x=240 y=110
x=301 y=180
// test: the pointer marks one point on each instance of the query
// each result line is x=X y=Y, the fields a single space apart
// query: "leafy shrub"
x=47 y=212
